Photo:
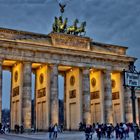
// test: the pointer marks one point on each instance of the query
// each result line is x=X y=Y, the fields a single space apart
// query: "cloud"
x=110 y=21
x=7 y=2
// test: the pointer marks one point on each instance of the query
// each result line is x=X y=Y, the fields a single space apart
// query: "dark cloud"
x=110 y=21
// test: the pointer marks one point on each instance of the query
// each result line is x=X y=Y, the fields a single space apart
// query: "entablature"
x=37 y=54
x=58 y=44
x=61 y=40
x=61 y=51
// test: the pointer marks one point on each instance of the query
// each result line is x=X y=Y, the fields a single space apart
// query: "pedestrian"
x=117 y=131
x=55 y=131
x=61 y=128
x=108 y=131
x=88 y=130
x=50 y=131
x=21 y=129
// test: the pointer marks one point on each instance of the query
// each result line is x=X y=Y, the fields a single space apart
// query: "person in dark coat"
x=88 y=130
x=50 y=130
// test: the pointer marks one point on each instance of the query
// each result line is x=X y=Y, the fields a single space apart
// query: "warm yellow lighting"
x=36 y=65
x=9 y=63
x=64 y=68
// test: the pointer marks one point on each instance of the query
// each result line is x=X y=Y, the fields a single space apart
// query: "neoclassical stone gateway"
x=92 y=71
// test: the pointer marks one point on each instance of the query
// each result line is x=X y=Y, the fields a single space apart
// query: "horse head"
x=55 y=19
x=84 y=23
x=60 y=19
x=76 y=21
x=66 y=20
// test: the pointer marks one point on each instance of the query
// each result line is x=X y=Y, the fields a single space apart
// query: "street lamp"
x=132 y=80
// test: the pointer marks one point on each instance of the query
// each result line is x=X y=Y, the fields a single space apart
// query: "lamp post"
x=132 y=80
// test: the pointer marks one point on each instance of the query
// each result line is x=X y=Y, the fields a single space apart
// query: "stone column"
x=86 y=97
x=65 y=111
x=108 y=108
x=127 y=105
x=54 y=101
x=0 y=91
x=26 y=95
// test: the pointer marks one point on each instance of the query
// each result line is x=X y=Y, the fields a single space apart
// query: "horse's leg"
x=68 y=32
x=84 y=33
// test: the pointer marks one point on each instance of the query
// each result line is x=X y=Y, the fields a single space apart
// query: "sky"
x=108 y=21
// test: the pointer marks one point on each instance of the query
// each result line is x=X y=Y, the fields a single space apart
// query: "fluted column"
x=127 y=105
x=86 y=97
x=108 y=108
x=26 y=95
x=0 y=91
x=54 y=102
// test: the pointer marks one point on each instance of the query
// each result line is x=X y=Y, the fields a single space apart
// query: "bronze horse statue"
x=81 y=29
x=54 y=26
x=63 y=26
x=58 y=25
x=72 y=29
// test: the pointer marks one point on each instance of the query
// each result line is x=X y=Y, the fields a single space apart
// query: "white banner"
x=132 y=79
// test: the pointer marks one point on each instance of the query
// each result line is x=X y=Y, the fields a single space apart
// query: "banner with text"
x=132 y=79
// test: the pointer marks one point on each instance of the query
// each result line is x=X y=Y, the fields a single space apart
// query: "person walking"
x=87 y=132
x=50 y=130
x=55 y=131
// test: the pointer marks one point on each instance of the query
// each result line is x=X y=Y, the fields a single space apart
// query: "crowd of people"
x=19 y=129
x=4 y=128
x=119 y=131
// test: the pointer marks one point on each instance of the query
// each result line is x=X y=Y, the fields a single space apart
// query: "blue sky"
x=109 y=21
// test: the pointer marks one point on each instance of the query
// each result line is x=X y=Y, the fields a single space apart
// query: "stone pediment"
x=70 y=41
x=61 y=40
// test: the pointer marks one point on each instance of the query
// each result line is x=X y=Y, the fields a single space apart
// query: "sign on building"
x=132 y=79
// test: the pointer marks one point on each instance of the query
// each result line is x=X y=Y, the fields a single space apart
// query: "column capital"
x=53 y=65
x=107 y=70
x=27 y=62
x=86 y=70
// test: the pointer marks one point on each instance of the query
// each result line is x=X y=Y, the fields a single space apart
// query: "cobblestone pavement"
x=44 y=136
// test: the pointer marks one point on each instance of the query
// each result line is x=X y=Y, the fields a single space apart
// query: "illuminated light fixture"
x=91 y=69
x=71 y=69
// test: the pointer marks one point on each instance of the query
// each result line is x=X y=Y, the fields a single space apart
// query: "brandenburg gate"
x=92 y=73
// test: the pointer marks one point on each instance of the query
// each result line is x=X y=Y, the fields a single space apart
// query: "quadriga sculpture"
x=72 y=29
x=81 y=29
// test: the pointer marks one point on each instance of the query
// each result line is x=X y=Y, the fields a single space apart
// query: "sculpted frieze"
x=70 y=41
x=8 y=34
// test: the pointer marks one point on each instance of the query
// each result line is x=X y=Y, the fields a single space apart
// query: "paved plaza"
x=44 y=136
